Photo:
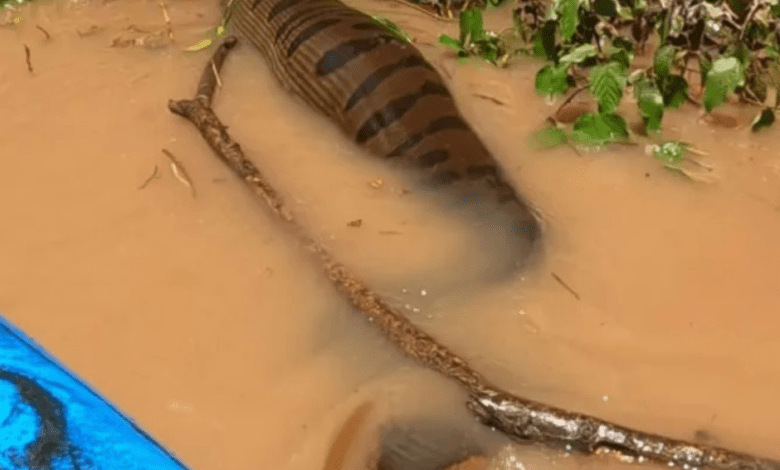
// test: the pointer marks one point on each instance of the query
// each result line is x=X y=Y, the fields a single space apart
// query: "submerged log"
x=519 y=418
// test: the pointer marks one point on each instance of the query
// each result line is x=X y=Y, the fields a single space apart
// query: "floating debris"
x=46 y=33
x=27 y=58
x=149 y=179
x=179 y=172
x=565 y=286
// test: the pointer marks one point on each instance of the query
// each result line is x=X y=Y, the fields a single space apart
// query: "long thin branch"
x=522 y=419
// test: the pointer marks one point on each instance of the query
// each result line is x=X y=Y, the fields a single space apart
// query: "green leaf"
x=764 y=119
x=227 y=13
x=544 y=41
x=674 y=90
x=621 y=57
x=705 y=64
x=723 y=78
x=569 y=18
x=622 y=51
x=450 y=42
x=669 y=153
x=662 y=62
x=548 y=138
x=605 y=7
x=471 y=26
x=393 y=28
x=599 y=129
x=579 y=54
x=489 y=50
x=200 y=45
x=606 y=84
x=651 y=104
x=742 y=54
x=552 y=80
x=664 y=25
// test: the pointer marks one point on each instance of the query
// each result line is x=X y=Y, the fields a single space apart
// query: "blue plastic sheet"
x=50 y=420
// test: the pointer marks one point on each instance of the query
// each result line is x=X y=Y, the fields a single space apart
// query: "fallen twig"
x=489 y=98
x=517 y=417
x=27 y=58
x=149 y=179
x=46 y=33
x=179 y=172
x=167 y=18
x=565 y=286
x=568 y=100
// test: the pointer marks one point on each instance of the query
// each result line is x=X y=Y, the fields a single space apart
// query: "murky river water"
x=202 y=319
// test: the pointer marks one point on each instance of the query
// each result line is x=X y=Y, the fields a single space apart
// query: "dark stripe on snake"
x=309 y=32
x=382 y=73
x=396 y=109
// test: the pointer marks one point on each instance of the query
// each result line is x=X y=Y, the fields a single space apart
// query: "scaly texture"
x=382 y=93
x=523 y=419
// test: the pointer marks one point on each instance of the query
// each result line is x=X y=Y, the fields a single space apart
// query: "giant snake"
x=386 y=97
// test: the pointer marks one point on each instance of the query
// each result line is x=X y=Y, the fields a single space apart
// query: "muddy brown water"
x=202 y=320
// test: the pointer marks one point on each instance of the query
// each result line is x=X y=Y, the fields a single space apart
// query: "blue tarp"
x=50 y=420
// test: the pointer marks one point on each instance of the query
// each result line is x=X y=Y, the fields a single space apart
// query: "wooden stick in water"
x=519 y=418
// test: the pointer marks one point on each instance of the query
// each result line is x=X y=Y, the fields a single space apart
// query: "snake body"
x=383 y=94
x=518 y=417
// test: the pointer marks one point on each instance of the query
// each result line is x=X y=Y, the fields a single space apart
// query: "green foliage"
x=569 y=19
x=580 y=54
x=651 y=104
x=764 y=119
x=600 y=129
x=605 y=8
x=672 y=155
x=663 y=60
x=621 y=51
x=543 y=42
x=723 y=78
x=606 y=85
x=706 y=47
x=669 y=153
x=674 y=90
x=4 y=3
x=393 y=28
x=474 y=40
x=216 y=33
x=471 y=26
x=548 y=138
x=553 y=80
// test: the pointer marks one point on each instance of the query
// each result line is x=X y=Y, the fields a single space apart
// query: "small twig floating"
x=565 y=286
x=489 y=98
x=46 y=33
x=568 y=100
x=520 y=418
x=27 y=58
x=167 y=18
x=179 y=172
x=149 y=179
